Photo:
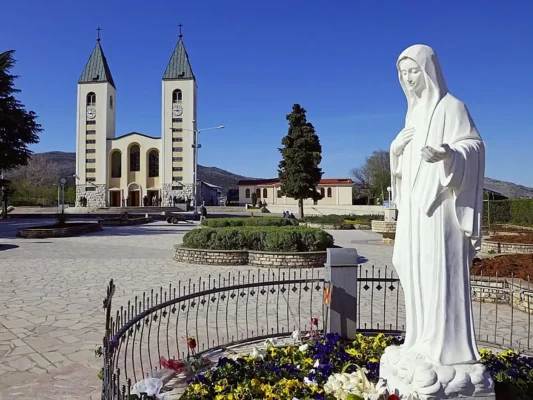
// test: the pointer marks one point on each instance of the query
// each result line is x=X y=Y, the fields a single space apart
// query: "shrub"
x=254 y=199
x=259 y=238
x=517 y=211
x=266 y=221
x=340 y=219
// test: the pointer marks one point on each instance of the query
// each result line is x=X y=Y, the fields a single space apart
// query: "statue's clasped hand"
x=431 y=155
x=402 y=140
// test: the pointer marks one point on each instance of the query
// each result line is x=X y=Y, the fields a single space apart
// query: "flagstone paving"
x=51 y=292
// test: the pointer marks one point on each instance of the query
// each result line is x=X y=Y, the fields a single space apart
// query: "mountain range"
x=66 y=164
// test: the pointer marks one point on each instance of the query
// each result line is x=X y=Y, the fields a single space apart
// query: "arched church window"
x=91 y=99
x=116 y=164
x=247 y=193
x=177 y=96
x=135 y=158
x=329 y=192
x=258 y=193
x=153 y=164
x=265 y=193
x=111 y=102
x=322 y=192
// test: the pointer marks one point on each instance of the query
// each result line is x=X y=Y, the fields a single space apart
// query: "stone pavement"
x=51 y=292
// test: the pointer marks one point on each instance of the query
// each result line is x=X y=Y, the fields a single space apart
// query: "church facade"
x=134 y=168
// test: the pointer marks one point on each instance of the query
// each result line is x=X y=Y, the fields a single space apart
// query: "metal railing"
x=230 y=309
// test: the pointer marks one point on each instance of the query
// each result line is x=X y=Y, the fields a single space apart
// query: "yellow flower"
x=308 y=361
x=353 y=352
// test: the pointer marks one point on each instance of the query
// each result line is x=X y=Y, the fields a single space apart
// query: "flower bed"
x=333 y=368
x=259 y=221
x=259 y=238
x=59 y=230
x=516 y=266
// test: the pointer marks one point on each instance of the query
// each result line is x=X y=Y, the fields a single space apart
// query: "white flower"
x=272 y=342
x=296 y=335
x=303 y=348
x=257 y=354
x=151 y=386
x=310 y=382
x=316 y=364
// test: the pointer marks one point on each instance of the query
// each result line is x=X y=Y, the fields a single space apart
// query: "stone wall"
x=255 y=258
x=384 y=226
x=331 y=227
x=287 y=260
x=185 y=193
x=210 y=257
x=95 y=198
x=503 y=291
x=488 y=246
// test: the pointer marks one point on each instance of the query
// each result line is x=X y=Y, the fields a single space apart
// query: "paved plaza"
x=51 y=315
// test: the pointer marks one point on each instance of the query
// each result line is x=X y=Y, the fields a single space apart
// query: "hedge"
x=518 y=211
x=259 y=238
x=259 y=221
x=340 y=219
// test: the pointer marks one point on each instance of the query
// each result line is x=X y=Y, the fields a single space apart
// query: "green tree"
x=254 y=199
x=298 y=169
x=374 y=176
x=18 y=127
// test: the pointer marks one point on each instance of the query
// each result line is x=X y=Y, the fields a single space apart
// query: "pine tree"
x=298 y=170
x=18 y=127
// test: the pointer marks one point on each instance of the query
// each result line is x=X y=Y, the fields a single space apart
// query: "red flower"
x=314 y=321
x=175 y=365
x=191 y=342
x=393 y=397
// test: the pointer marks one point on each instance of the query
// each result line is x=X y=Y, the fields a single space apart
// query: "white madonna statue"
x=437 y=166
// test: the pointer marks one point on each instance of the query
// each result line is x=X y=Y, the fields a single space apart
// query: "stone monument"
x=437 y=167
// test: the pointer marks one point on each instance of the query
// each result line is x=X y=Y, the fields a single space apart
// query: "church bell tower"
x=178 y=124
x=95 y=123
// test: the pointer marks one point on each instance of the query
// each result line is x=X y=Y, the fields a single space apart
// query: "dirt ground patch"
x=513 y=265
x=522 y=238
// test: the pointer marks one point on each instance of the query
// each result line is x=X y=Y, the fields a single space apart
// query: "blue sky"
x=253 y=60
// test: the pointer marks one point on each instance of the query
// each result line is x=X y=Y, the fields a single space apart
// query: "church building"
x=111 y=170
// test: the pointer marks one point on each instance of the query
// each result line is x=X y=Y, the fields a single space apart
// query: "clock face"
x=177 y=110
x=91 y=113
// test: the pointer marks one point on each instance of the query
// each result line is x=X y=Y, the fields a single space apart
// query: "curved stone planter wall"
x=254 y=258
x=210 y=257
x=124 y=222
x=385 y=228
x=42 y=232
x=488 y=246
x=332 y=227
x=287 y=260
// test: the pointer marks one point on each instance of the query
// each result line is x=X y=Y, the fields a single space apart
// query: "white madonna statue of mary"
x=437 y=166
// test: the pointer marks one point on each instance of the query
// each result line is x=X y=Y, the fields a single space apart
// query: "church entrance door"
x=114 y=198
x=134 y=197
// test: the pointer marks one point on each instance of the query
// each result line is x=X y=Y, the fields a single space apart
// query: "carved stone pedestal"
x=406 y=372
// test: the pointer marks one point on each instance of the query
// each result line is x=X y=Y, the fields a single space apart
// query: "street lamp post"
x=62 y=182
x=196 y=146
x=389 y=189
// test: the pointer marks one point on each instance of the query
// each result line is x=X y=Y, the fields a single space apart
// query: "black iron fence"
x=230 y=309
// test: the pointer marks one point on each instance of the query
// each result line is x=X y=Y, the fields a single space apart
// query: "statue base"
x=405 y=372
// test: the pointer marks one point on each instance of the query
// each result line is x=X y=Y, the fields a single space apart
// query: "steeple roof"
x=179 y=66
x=97 y=69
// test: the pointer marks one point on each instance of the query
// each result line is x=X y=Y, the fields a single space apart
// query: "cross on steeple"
x=98 y=33
x=180 y=25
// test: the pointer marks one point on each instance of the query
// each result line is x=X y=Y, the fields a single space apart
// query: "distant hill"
x=509 y=189
x=66 y=163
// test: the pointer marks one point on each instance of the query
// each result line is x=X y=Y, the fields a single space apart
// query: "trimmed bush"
x=259 y=238
x=517 y=211
x=340 y=219
x=260 y=221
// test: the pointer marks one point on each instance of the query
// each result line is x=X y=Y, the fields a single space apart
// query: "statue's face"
x=412 y=75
